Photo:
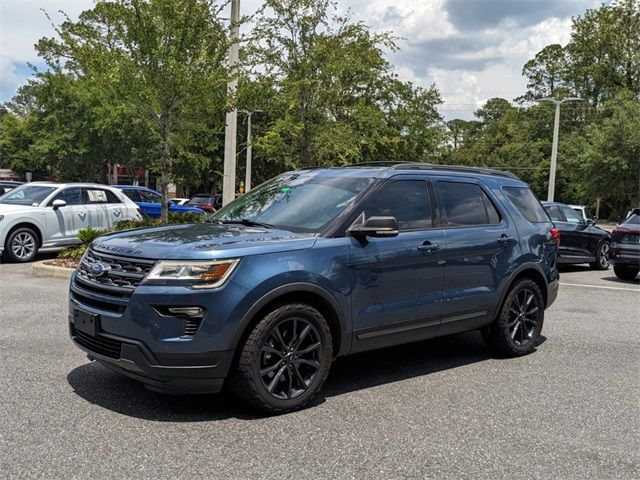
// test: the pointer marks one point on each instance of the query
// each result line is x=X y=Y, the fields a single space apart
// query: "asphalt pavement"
x=438 y=409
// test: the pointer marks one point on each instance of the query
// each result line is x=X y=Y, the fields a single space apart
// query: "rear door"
x=105 y=209
x=397 y=282
x=481 y=247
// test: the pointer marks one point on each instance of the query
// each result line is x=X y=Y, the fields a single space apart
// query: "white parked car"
x=43 y=214
x=179 y=201
x=583 y=212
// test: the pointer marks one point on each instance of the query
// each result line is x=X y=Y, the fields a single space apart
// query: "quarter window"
x=527 y=203
x=407 y=201
x=466 y=204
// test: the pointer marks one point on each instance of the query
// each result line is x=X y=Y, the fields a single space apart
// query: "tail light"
x=555 y=234
x=625 y=231
x=207 y=206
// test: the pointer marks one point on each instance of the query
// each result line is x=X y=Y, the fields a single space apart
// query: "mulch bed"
x=62 y=262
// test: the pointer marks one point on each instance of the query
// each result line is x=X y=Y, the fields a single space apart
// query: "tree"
x=546 y=72
x=164 y=59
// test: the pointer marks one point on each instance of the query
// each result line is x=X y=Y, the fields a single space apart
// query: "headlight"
x=192 y=273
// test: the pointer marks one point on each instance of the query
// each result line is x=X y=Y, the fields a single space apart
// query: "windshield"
x=297 y=201
x=201 y=199
x=31 y=195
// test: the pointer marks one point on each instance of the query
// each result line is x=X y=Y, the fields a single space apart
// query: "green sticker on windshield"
x=285 y=189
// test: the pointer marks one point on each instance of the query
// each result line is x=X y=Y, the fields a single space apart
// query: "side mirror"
x=591 y=222
x=375 y=227
x=56 y=204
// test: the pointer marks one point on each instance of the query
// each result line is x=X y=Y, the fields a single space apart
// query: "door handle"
x=428 y=247
x=506 y=240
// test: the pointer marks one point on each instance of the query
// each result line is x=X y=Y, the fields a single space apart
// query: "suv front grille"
x=119 y=277
x=102 y=345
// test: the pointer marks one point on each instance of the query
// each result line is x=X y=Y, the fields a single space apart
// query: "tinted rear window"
x=525 y=201
x=466 y=204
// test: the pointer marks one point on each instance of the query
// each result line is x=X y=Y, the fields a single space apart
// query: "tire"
x=602 y=259
x=21 y=245
x=516 y=329
x=624 y=272
x=279 y=347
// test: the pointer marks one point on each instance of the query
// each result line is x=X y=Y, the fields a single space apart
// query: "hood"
x=201 y=241
x=6 y=208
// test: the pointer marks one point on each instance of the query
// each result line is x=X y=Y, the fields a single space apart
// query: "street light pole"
x=247 y=178
x=231 y=127
x=554 y=146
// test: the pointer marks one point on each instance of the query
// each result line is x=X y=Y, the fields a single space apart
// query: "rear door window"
x=466 y=204
x=527 y=203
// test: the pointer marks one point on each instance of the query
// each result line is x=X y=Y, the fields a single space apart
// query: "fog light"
x=188 y=311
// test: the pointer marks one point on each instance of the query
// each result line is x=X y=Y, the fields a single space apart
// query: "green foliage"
x=73 y=253
x=89 y=234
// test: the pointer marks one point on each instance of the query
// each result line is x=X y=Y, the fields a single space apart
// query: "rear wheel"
x=602 y=257
x=517 y=328
x=21 y=245
x=624 y=272
x=285 y=360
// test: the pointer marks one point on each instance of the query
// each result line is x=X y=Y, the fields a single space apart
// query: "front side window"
x=554 y=213
x=29 y=195
x=527 y=203
x=571 y=215
x=149 y=197
x=302 y=201
x=407 y=201
x=466 y=204
x=72 y=196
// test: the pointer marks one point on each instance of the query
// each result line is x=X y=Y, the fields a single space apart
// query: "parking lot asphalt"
x=442 y=408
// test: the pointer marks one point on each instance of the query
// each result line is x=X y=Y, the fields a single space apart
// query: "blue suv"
x=150 y=202
x=312 y=265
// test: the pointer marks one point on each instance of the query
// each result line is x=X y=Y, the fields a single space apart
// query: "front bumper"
x=186 y=374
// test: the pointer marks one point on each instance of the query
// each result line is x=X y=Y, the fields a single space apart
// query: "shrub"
x=73 y=253
x=88 y=235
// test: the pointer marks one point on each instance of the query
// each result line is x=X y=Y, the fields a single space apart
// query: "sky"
x=472 y=50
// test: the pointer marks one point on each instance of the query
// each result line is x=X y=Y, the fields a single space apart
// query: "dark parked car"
x=209 y=202
x=7 y=186
x=625 y=247
x=581 y=241
x=313 y=265
x=150 y=201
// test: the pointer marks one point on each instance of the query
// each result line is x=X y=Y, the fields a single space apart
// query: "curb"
x=39 y=269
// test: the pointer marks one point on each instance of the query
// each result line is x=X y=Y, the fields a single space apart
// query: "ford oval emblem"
x=98 y=269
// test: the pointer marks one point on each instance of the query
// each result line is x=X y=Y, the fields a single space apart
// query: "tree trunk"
x=165 y=167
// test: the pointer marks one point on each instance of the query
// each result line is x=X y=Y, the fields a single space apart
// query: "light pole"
x=247 y=178
x=554 y=147
x=231 y=127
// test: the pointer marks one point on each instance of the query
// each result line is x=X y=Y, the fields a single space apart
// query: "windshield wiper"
x=246 y=221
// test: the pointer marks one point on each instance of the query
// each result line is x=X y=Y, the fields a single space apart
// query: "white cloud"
x=9 y=79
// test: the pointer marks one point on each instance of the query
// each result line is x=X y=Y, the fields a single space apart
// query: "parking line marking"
x=601 y=286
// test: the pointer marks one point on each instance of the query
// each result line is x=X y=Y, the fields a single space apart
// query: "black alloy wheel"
x=518 y=325
x=290 y=359
x=285 y=359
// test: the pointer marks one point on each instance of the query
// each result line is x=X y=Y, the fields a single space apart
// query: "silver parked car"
x=43 y=214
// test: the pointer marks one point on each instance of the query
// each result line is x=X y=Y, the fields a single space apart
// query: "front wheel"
x=21 y=245
x=624 y=272
x=285 y=360
x=516 y=330
x=602 y=257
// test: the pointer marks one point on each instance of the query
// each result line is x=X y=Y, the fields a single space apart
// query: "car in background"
x=45 y=214
x=625 y=247
x=580 y=240
x=627 y=214
x=209 y=202
x=179 y=201
x=584 y=212
x=150 y=202
x=8 y=185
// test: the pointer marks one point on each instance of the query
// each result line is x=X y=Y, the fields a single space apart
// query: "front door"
x=574 y=242
x=69 y=219
x=397 y=282
x=482 y=245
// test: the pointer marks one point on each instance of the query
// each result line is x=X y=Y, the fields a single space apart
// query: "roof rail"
x=455 y=168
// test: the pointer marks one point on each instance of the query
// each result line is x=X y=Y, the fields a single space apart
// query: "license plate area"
x=88 y=323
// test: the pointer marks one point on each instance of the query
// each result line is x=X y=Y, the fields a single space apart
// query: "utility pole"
x=247 y=178
x=554 y=147
x=230 y=131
